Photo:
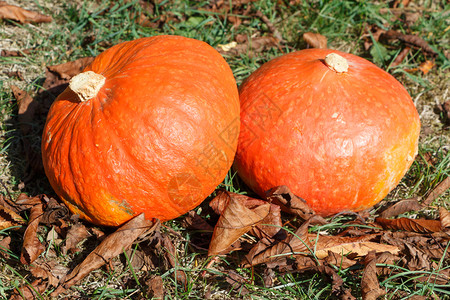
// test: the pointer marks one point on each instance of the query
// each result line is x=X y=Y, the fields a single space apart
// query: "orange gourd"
x=335 y=128
x=150 y=126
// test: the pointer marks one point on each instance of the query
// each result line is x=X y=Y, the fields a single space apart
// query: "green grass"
x=86 y=28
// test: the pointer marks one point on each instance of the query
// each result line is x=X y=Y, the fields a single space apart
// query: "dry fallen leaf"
x=32 y=247
x=437 y=191
x=193 y=221
x=401 y=57
x=15 y=13
x=50 y=271
x=369 y=283
x=315 y=40
x=9 y=218
x=237 y=282
x=235 y=220
x=54 y=212
x=371 y=33
x=401 y=207
x=339 y=260
x=444 y=217
x=5 y=247
x=289 y=202
x=345 y=245
x=410 y=40
x=111 y=246
x=14 y=53
x=155 y=287
x=57 y=77
x=414 y=225
x=268 y=227
x=75 y=235
x=27 y=107
x=266 y=250
x=16 y=74
x=337 y=284
x=33 y=290
x=250 y=47
x=386 y=258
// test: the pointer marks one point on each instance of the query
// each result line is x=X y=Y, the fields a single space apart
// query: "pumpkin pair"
x=152 y=126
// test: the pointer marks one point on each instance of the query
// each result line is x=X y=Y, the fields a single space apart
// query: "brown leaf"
x=410 y=40
x=386 y=258
x=195 y=222
x=54 y=212
x=446 y=109
x=5 y=246
x=339 y=260
x=268 y=277
x=370 y=286
x=50 y=271
x=345 y=245
x=237 y=282
x=315 y=40
x=289 y=202
x=266 y=250
x=235 y=220
x=170 y=255
x=8 y=203
x=401 y=207
x=371 y=33
x=12 y=12
x=14 y=53
x=268 y=227
x=100 y=235
x=16 y=74
x=32 y=247
x=29 y=291
x=337 y=284
x=25 y=202
x=250 y=47
x=27 y=107
x=155 y=287
x=75 y=235
x=9 y=218
x=111 y=246
x=57 y=77
x=415 y=225
x=437 y=191
x=401 y=57
x=444 y=217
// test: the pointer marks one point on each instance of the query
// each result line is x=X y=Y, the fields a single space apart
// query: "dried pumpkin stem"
x=87 y=85
x=336 y=63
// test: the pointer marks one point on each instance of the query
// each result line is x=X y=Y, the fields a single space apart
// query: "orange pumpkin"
x=150 y=126
x=335 y=128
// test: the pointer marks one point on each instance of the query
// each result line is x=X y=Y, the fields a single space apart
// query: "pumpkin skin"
x=341 y=141
x=157 y=138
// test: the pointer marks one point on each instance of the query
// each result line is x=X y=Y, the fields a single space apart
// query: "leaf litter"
x=18 y=14
x=264 y=235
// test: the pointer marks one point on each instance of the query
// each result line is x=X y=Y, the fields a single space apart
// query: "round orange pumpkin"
x=150 y=126
x=335 y=128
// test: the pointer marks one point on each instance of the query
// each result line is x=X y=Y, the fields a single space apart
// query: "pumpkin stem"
x=87 y=85
x=336 y=63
